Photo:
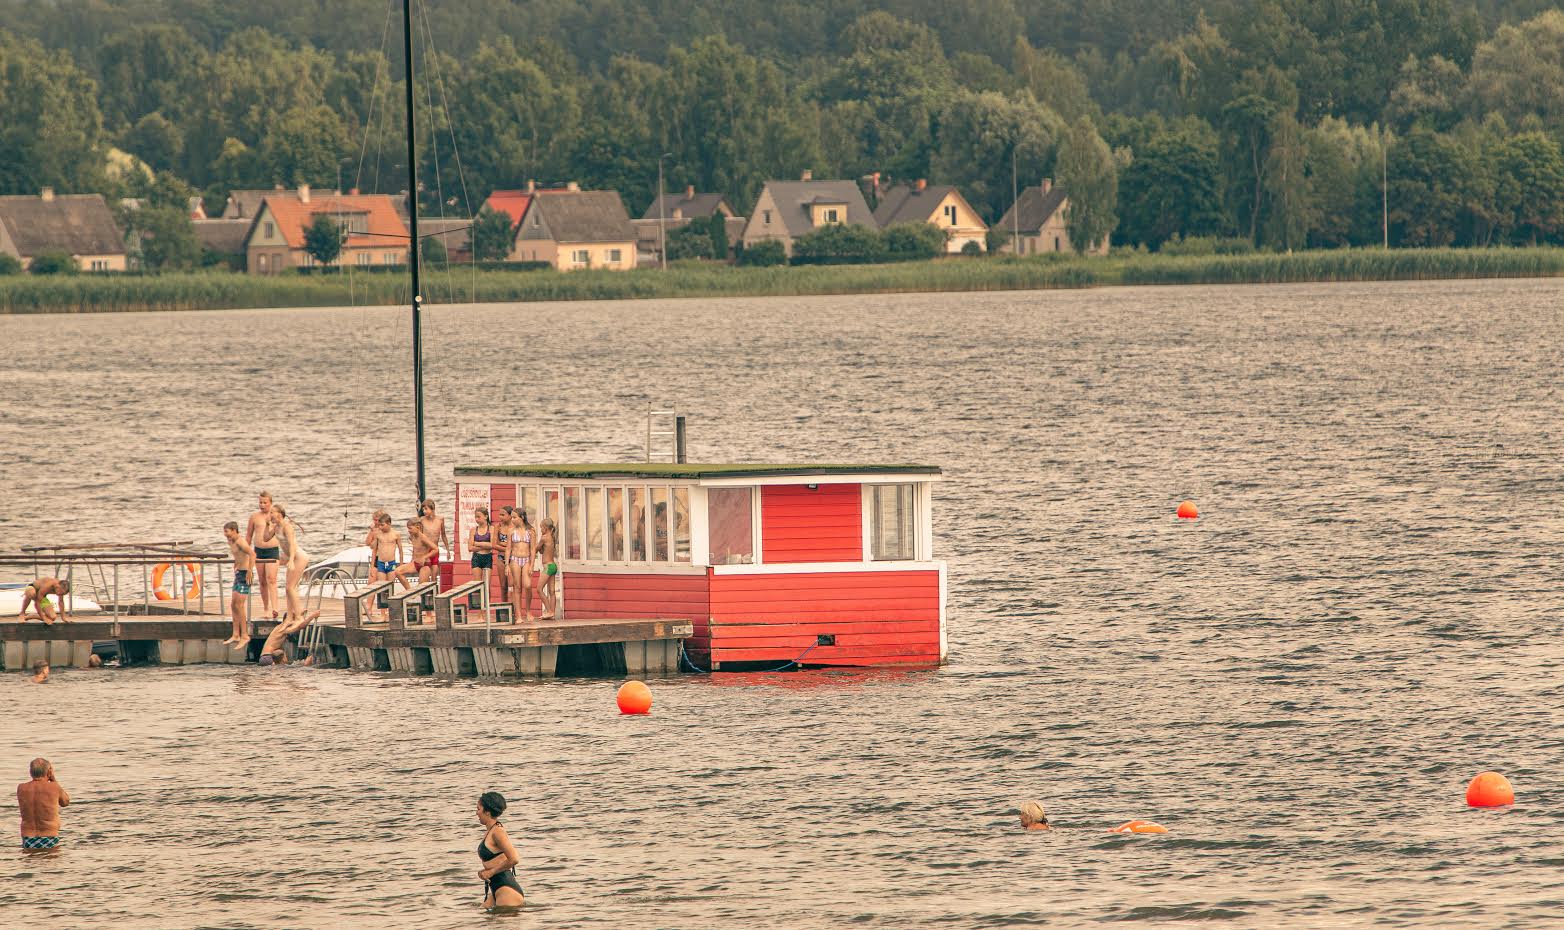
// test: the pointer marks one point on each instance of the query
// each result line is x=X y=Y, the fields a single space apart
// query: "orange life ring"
x=164 y=594
x=1139 y=826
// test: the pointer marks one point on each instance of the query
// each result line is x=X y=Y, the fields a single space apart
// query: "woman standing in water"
x=293 y=557
x=498 y=855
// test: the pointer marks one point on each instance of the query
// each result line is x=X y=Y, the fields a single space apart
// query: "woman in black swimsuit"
x=499 y=858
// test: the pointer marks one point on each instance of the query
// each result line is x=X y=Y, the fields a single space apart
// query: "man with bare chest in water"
x=40 y=801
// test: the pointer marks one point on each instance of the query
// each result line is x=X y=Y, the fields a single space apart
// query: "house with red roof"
x=376 y=233
x=511 y=203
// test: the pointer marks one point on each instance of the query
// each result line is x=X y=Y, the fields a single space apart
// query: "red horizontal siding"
x=649 y=596
x=876 y=618
x=822 y=525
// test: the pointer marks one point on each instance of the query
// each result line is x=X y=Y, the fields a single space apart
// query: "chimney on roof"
x=46 y=193
x=353 y=192
x=278 y=187
x=689 y=192
x=808 y=175
x=304 y=193
x=1048 y=184
x=532 y=186
x=922 y=183
x=572 y=186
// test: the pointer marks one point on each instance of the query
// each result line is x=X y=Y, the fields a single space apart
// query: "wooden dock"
x=610 y=647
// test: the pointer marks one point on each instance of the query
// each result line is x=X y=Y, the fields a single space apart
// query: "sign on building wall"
x=469 y=497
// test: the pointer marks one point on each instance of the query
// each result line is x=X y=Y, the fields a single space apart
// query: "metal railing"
x=119 y=575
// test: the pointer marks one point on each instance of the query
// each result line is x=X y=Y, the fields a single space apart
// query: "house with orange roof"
x=511 y=203
x=376 y=233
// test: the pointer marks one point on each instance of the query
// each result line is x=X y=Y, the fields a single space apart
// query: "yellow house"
x=789 y=209
x=1035 y=223
x=574 y=229
x=80 y=225
x=940 y=205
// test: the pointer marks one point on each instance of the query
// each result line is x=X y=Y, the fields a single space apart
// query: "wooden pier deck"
x=632 y=647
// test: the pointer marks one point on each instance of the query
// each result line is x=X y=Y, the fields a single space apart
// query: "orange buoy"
x=1490 y=789
x=635 y=698
x=1188 y=511
x=1139 y=826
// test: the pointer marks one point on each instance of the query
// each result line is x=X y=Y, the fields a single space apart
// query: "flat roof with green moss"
x=667 y=470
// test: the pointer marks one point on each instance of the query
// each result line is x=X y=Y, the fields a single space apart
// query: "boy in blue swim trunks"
x=244 y=565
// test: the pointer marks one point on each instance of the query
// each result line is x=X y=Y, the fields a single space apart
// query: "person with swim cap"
x=498 y=855
x=1032 y=816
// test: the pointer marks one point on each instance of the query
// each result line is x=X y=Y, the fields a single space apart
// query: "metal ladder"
x=665 y=436
x=312 y=639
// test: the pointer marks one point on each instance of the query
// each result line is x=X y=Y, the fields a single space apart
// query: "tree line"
x=1282 y=123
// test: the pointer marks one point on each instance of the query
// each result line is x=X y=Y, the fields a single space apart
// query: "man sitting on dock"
x=40 y=801
x=244 y=563
x=274 y=645
x=37 y=594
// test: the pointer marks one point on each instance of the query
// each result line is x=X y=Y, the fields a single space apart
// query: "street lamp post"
x=662 y=219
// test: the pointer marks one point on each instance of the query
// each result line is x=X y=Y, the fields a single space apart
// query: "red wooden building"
x=831 y=563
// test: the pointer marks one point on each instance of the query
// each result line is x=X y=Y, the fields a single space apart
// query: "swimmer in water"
x=40 y=672
x=273 y=646
x=1032 y=816
x=498 y=855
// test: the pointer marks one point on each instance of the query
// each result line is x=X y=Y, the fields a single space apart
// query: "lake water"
x=1298 y=685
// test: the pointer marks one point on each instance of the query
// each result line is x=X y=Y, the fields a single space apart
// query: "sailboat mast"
x=413 y=250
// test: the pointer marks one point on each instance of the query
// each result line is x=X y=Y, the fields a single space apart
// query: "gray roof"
x=80 y=224
x=793 y=197
x=455 y=232
x=584 y=216
x=904 y=204
x=223 y=237
x=1034 y=208
x=687 y=205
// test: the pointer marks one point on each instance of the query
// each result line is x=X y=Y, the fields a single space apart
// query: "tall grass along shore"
x=212 y=291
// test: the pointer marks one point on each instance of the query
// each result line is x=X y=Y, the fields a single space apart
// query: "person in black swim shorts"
x=244 y=563
x=261 y=532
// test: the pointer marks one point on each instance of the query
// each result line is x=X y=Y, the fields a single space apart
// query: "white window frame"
x=831 y=215
x=922 y=523
x=615 y=256
x=581 y=257
x=754 y=522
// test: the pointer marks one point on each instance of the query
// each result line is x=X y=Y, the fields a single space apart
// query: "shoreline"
x=23 y=294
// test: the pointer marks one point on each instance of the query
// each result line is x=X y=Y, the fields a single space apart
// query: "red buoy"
x=1490 y=789
x=635 y=698
x=1188 y=511
x=1139 y=826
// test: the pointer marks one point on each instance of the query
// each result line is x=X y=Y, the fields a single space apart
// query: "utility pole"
x=1015 y=207
x=662 y=219
x=1384 y=188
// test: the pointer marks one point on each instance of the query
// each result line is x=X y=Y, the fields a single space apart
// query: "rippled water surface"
x=1298 y=685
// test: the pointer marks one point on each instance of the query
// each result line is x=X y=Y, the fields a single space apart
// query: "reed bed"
x=223 y=290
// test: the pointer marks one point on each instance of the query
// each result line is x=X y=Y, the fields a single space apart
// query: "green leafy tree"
x=1429 y=190
x=1288 y=191
x=492 y=235
x=51 y=133
x=53 y=262
x=167 y=238
x=690 y=240
x=717 y=232
x=971 y=248
x=1519 y=72
x=323 y=239
x=982 y=135
x=839 y=244
x=1173 y=185
x=1529 y=195
x=1089 y=175
x=155 y=140
x=305 y=146
x=912 y=241
x=434 y=251
x=765 y=253
x=9 y=264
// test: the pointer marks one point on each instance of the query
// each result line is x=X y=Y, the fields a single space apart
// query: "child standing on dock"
x=244 y=563
x=261 y=532
x=519 y=565
x=548 y=546
x=295 y=559
x=501 y=544
x=387 y=548
x=375 y=574
x=424 y=554
x=434 y=528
